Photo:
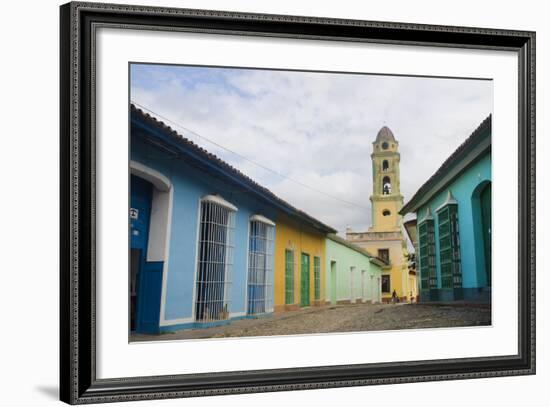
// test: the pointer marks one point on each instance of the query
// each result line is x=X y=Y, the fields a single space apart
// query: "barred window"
x=449 y=246
x=215 y=259
x=260 y=265
x=426 y=243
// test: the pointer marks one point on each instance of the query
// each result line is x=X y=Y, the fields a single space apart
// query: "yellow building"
x=299 y=263
x=385 y=237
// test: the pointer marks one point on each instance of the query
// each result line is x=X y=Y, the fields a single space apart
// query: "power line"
x=248 y=159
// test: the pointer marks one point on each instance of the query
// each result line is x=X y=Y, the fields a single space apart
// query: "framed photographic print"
x=255 y=203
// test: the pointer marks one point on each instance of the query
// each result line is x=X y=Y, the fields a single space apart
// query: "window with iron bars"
x=260 y=266
x=449 y=247
x=426 y=243
x=215 y=260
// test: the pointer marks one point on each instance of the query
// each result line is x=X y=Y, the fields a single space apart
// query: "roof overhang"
x=379 y=262
x=166 y=138
x=468 y=154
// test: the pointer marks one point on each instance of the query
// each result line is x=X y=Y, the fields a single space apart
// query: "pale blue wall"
x=471 y=249
x=189 y=185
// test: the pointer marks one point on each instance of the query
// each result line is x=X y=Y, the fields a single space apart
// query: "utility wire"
x=246 y=158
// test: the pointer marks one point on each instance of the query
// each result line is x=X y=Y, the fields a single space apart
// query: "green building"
x=453 y=218
x=352 y=274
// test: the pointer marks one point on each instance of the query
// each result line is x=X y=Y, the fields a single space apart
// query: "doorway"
x=140 y=211
x=304 y=281
x=333 y=282
x=377 y=290
x=352 y=284
x=363 y=285
x=485 y=200
x=481 y=217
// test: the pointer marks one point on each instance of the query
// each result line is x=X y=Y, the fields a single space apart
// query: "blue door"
x=145 y=277
x=140 y=211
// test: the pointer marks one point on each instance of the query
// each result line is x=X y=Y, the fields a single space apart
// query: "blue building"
x=453 y=220
x=202 y=234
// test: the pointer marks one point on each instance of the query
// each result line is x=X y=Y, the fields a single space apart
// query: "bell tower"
x=386 y=199
x=384 y=238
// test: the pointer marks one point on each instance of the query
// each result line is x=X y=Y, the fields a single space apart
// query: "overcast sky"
x=316 y=128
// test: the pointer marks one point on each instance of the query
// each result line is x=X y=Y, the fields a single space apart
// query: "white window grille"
x=215 y=259
x=260 y=265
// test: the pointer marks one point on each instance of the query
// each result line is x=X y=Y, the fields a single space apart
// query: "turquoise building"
x=352 y=274
x=453 y=213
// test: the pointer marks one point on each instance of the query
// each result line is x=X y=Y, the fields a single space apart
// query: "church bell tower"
x=386 y=198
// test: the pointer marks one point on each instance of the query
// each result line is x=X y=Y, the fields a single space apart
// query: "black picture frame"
x=78 y=382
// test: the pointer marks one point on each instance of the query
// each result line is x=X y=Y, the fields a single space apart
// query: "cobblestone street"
x=342 y=318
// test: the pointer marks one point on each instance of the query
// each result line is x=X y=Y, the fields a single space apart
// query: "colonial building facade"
x=353 y=275
x=453 y=221
x=204 y=238
x=385 y=238
x=299 y=264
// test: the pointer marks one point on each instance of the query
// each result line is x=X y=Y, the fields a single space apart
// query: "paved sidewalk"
x=342 y=318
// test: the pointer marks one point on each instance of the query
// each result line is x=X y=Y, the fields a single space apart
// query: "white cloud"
x=318 y=128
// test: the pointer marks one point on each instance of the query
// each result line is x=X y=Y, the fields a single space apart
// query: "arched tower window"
x=385 y=165
x=386 y=186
